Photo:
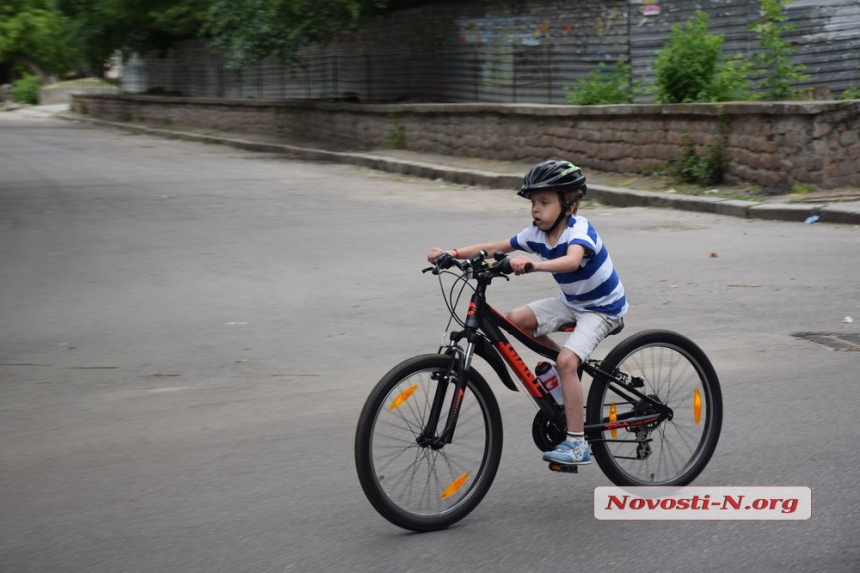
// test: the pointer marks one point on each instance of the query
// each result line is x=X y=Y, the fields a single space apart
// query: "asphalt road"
x=190 y=331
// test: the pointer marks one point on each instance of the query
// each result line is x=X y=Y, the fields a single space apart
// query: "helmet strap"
x=565 y=206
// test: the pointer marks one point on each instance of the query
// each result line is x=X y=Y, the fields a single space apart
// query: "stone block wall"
x=815 y=143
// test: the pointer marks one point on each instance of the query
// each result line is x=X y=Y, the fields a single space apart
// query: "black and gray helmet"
x=553 y=175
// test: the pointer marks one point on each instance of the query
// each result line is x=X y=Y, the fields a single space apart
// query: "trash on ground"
x=811 y=219
x=847 y=319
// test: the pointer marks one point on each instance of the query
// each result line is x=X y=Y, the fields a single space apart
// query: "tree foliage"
x=35 y=36
x=245 y=31
x=54 y=36
x=691 y=67
x=774 y=59
x=103 y=27
x=251 y=30
x=605 y=85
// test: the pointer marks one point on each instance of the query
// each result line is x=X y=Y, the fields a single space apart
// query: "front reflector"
x=457 y=484
x=403 y=396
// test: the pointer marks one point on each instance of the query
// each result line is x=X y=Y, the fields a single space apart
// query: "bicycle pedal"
x=562 y=468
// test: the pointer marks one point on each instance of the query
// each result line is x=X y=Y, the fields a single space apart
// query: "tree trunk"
x=32 y=66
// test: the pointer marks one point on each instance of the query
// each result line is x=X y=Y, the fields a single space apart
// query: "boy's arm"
x=566 y=264
x=472 y=250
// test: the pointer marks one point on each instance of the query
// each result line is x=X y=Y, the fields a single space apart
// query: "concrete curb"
x=839 y=213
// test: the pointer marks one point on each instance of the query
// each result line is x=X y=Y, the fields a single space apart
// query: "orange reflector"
x=457 y=484
x=697 y=406
x=613 y=416
x=403 y=396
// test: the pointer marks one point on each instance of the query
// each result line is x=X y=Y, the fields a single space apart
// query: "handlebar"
x=499 y=265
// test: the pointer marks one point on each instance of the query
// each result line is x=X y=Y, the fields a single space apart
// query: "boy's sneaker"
x=569 y=453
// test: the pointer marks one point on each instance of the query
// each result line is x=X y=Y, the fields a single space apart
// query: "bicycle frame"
x=484 y=335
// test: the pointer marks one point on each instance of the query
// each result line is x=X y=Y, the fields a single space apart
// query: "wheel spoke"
x=429 y=487
x=673 y=370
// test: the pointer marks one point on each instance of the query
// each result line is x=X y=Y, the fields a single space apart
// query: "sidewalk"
x=841 y=207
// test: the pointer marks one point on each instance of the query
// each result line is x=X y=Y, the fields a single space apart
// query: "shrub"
x=707 y=169
x=26 y=90
x=774 y=59
x=850 y=93
x=604 y=86
x=691 y=67
x=396 y=137
x=732 y=81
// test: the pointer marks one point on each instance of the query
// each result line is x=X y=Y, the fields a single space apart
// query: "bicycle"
x=429 y=438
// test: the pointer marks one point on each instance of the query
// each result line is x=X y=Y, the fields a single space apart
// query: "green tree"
x=246 y=31
x=251 y=30
x=691 y=67
x=34 y=36
x=775 y=58
x=103 y=27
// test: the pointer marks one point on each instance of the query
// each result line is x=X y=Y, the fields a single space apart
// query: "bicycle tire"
x=403 y=480
x=678 y=373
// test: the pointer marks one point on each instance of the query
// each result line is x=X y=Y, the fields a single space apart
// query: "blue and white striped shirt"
x=595 y=286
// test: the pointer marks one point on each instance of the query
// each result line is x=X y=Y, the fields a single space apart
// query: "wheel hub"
x=645 y=408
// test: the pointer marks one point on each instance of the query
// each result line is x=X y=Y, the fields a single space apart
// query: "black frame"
x=483 y=332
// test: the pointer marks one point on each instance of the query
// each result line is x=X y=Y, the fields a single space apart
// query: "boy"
x=591 y=292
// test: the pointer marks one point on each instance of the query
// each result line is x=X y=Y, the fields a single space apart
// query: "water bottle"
x=548 y=376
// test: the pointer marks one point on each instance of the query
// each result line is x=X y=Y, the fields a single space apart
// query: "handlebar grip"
x=505 y=267
x=445 y=261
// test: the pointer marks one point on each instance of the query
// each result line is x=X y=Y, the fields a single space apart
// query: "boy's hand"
x=519 y=264
x=434 y=254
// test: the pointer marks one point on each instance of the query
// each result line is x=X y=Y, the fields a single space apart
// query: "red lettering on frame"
x=519 y=367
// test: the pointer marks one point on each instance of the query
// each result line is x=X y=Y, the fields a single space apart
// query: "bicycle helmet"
x=554 y=175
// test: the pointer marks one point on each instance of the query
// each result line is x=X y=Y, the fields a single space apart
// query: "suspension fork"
x=457 y=377
x=458 y=373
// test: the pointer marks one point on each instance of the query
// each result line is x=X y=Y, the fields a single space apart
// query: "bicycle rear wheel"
x=677 y=373
x=417 y=487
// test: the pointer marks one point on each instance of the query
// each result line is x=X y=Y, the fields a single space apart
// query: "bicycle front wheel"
x=415 y=485
x=675 y=372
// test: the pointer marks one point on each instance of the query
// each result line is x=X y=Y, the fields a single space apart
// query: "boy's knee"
x=523 y=318
x=568 y=360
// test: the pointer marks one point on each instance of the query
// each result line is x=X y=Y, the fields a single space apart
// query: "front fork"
x=456 y=376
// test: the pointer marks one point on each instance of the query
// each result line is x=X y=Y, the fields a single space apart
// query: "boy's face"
x=546 y=207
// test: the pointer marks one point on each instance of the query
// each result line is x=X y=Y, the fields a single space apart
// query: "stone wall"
x=814 y=143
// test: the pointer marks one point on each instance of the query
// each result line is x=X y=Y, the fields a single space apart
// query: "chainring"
x=546 y=434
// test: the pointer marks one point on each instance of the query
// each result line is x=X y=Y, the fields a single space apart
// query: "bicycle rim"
x=418 y=487
x=675 y=372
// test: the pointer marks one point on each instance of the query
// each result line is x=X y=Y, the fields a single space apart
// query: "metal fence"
x=825 y=33
x=537 y=74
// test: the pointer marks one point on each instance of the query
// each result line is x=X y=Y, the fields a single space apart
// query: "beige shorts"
x=591 y=327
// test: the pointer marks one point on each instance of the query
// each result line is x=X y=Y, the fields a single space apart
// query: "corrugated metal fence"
x=470 y=74
x=827 y=36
